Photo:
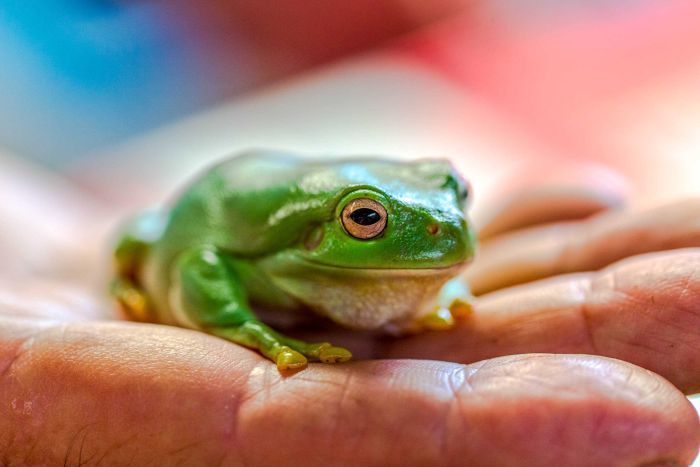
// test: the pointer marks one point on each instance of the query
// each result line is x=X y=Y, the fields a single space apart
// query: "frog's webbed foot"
x=445 y=318
x=288 y=358
x=295 y=354
x=328 y=353
x=287 y=353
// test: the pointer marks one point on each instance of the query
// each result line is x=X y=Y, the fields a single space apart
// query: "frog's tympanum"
x=369 y=243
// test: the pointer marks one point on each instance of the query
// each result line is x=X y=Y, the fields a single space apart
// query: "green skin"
x=266 y=229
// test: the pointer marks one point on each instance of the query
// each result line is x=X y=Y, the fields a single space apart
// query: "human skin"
x=80 y=386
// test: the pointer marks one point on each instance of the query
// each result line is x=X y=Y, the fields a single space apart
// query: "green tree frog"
x=369 y=243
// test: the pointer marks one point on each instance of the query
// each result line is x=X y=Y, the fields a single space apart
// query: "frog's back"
x=240 y=205
x=262 y=202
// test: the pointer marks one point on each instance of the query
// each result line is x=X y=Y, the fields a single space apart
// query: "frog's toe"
x=289 y=359
x=332 y=354
x=439 y=320
x=461 y=308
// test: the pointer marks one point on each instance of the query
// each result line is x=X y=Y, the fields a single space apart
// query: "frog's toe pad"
x=288 y=359
x=461 y=308
x=439 y=320
x=334 y=354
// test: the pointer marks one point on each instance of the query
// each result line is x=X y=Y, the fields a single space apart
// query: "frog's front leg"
x=206 y=293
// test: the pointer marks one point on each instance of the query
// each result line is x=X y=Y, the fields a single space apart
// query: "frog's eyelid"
x=358 y=230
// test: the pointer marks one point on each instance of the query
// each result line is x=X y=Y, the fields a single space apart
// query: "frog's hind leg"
x=129 y=255
x=208 y=294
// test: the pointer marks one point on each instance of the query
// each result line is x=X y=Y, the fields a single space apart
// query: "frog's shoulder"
x=258 y=170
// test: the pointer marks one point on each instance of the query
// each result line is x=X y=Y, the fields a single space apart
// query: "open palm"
x=537 y=375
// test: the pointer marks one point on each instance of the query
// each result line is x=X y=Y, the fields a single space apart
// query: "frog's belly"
x=368 y=299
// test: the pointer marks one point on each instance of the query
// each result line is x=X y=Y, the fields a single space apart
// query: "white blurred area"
x=504 y=125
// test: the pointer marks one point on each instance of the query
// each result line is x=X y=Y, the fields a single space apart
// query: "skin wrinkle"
x=570 y=241
x=80 y=357
x=252 y=402
x=20 y=351
x=9 y=444
x=232 y=425
x=114 y=448
x=464 y=386
x=80 y=433
x=29 y=453
x=690 y=294
x=586 y=287
x=232 y=407
x=597 y=288
x=442 y=392
x=670 y=322
x=649 y=300
x=643 y=308
x=337 y=425
x=586 y=404
x=654 y=388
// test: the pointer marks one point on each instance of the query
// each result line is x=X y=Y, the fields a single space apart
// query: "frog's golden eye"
x=364 y=218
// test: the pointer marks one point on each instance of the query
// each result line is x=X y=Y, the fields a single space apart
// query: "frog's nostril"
x=433 y=229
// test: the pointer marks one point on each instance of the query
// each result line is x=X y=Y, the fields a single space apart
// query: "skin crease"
x=75 y=382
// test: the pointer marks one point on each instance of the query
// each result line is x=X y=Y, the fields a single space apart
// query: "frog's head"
x=395 y=216
x=392 y=235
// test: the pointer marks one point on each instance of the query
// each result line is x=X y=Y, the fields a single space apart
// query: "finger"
x=645 y=310
x=120 y=392
x=583 y=246
x=543 y=205
x=538 y=195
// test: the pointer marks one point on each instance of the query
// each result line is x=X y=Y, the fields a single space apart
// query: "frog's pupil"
x=365 y=216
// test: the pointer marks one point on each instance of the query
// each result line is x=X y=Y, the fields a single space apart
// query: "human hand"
x=80 y=386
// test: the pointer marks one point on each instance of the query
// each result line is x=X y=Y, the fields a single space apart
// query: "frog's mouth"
x=365 y=298
x=391 y=271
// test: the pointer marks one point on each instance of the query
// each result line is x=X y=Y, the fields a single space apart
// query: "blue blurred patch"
x=86 y=73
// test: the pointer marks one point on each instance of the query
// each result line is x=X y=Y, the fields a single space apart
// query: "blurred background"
x=126 y=97
x=78 y=75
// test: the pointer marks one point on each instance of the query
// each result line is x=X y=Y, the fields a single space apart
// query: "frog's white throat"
x=368 y=298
